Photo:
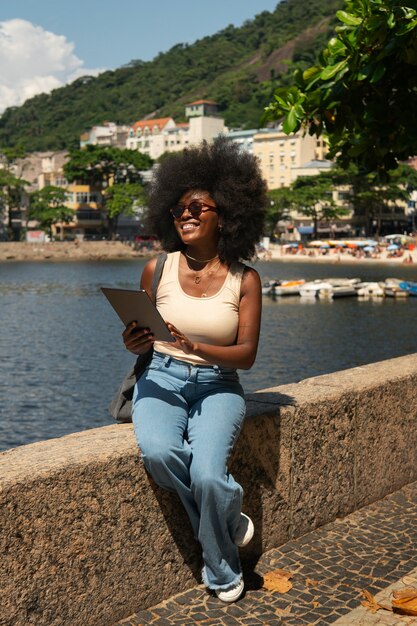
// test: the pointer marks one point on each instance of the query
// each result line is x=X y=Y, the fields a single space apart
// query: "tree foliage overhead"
x=233 y=67
x=363 y=91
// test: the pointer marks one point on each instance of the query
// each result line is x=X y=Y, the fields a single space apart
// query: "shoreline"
x=340 y=258
x=117 y=250
x=67 y=251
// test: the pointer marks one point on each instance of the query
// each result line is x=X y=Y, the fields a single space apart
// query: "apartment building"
x=156 y=136
x=280 y=155
x=108 y=134
x=244 y=138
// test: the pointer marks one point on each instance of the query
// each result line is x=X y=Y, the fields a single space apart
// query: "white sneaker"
x=244 y=531
x=232 y=594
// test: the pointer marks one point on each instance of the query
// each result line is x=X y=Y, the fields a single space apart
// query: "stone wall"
x=66 y=251
x=87 y=539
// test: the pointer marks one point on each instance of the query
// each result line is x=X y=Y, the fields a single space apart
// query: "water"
x=61 y=354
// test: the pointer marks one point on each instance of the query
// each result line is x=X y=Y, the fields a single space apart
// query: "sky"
x=45 y=44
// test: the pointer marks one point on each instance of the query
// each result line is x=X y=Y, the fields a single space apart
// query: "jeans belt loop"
x=216 y=369
x=167 y=360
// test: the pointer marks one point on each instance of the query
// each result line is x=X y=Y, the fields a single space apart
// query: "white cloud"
x=33 y=61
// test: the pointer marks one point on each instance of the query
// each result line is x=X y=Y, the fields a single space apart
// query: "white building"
x=156 y=136
x=244 y=138
x=109 y=134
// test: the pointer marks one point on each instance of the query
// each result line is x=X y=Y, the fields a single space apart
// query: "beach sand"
x=112 y=250
x=277 y=253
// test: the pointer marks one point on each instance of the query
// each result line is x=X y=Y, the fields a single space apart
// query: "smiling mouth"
x=189 y=227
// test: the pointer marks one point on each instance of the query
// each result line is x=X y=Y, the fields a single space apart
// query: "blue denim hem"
x=224 y=587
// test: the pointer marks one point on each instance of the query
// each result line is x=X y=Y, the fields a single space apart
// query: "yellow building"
x=87 y=204
x=279 y=154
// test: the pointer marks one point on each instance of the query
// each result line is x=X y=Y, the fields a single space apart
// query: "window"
x=82 y=197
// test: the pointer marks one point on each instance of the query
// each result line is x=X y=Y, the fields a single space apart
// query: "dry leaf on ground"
x=371 y=604
x=278 y=580
x=404 y=601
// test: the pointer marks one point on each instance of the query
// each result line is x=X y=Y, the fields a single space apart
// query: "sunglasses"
x=194 y=208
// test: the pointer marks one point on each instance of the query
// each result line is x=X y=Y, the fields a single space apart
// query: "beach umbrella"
x=324 y=245
x=393 y=246
x=368 y=248
x=340 y=244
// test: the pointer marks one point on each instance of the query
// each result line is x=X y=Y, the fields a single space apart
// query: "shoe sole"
x=248 y=534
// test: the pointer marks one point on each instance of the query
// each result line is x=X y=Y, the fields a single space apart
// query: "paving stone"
x=371 y=549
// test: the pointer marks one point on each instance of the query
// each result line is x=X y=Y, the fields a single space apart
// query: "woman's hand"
x=182 y=341
x=136 y=339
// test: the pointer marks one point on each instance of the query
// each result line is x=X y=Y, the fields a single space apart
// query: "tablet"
x=135 y=305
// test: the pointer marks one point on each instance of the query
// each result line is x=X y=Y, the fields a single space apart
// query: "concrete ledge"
x=87 y=539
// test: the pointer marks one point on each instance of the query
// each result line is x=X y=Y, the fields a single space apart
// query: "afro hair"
x=232 y=178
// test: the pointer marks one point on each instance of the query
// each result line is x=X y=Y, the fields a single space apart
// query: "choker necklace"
x=207 y=270
x=200 y=260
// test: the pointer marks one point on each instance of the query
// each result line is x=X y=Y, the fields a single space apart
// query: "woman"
x=206 y=206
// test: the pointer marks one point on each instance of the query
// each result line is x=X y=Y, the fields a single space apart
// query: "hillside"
x=237 y=67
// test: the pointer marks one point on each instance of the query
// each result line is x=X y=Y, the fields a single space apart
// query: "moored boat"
x=370 y=290
x=311 y=289
x=289 y=287
x=409 y=286
x=392 y=288
x=337 y=291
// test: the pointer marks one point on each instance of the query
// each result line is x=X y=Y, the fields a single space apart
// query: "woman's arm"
x=241 y=354
x=136 y=339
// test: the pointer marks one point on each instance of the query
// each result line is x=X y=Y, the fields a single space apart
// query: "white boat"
x=311 y=289
x=288 y=287
x=343 y=282
x=370 y=290
x=392 y=288
x=337 y=291
x=268 y=287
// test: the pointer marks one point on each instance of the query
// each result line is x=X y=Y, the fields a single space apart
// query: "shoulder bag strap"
x=158 y=273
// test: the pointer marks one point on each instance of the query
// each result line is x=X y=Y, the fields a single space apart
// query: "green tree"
x=47 y=206
x=372 y=199
x=11 y=191
x=363 y=92
x=122 y=199
x=313 y=197
x=104 y=168
x=280 y=204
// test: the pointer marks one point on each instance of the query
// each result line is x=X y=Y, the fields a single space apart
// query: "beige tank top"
x=213 y=319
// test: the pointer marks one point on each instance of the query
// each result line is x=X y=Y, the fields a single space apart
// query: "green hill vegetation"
x=239 y=68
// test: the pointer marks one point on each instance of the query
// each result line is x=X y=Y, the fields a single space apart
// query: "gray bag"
x=120 y=407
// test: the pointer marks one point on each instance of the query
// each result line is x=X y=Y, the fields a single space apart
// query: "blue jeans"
x=186 y=420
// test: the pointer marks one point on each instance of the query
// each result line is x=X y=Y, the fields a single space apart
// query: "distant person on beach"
x=206 y=206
